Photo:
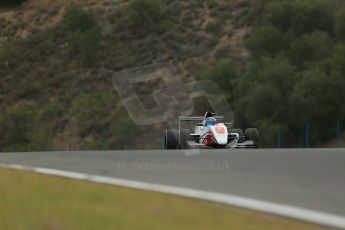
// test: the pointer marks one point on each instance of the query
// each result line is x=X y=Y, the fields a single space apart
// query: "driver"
x=209 y=119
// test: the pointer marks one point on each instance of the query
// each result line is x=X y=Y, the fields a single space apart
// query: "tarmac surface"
x=308 y=178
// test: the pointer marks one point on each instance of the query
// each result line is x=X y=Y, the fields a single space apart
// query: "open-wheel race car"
x=210 y=132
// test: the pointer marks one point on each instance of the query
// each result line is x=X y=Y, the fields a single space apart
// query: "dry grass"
x=31 y=201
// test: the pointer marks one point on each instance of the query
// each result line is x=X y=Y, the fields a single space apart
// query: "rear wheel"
x=253 y=135
x=184 y=137
x=171 y=139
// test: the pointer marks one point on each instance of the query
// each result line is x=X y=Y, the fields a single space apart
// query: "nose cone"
x=220 y=133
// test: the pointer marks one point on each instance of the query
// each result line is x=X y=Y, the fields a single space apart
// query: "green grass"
x=33 y=201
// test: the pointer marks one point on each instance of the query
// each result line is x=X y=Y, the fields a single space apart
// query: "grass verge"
x=34 y=201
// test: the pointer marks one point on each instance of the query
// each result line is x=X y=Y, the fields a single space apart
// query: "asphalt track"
x=308 y=178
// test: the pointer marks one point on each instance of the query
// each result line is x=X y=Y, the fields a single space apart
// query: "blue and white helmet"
x=209 y=119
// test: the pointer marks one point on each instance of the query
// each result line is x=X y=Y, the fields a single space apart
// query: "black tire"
x=171 y=139
x=184 y=138
x=239 y=131
x=253 y=135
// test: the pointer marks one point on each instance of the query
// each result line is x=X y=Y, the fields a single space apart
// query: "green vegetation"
x=16 y=126
x=340 y=25
x=92 y=113
x=32 y=81
x=60 y=62
x=145 y=14
x=295 y=75
x=44 y=202
x=84 y=35
x=64 y=69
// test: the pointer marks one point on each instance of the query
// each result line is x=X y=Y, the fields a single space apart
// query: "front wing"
x=231 y=145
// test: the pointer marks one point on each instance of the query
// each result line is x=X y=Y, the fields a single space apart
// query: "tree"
x=321 y=97
x=310 y=48
x=300 y=17
x=340 y=25
x=268 y=41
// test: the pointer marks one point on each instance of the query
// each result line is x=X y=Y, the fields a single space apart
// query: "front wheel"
x=253 y=135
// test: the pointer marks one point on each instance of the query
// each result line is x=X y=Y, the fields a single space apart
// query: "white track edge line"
x=311 y=216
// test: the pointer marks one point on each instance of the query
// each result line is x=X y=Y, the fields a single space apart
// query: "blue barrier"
x=307 y=136
x=338 y=131
x=278 y=138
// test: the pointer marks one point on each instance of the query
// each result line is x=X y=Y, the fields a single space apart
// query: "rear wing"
x=200 y=119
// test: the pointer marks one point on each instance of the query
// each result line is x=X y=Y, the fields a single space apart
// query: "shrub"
x=211 y=3
x=145 y=13
x=30 y=89
x=85 y=45
x=92 y=112
x=83 y=35
x=78 y=20
x=215 y=26
x=9 y=56
x=18 y=124
x=50 y=110
x=122 y=123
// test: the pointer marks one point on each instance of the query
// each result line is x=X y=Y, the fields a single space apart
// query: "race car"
x=210 y=135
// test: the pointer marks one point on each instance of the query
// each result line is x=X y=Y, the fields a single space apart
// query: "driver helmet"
x=209 y=119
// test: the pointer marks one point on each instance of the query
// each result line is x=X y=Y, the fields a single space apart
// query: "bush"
x=78 y=20
x=145 y=13
x=31 y=89
x=85 y=46
x=51 y=109
x=9 y=57
x=18 y=125
x=215 y=26
x=92 y=112
x=83 y=35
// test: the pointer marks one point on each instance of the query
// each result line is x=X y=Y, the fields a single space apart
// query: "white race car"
x=216 y=135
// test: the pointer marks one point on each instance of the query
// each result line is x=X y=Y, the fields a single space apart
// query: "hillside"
x=280 y=65
x=55 y=92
